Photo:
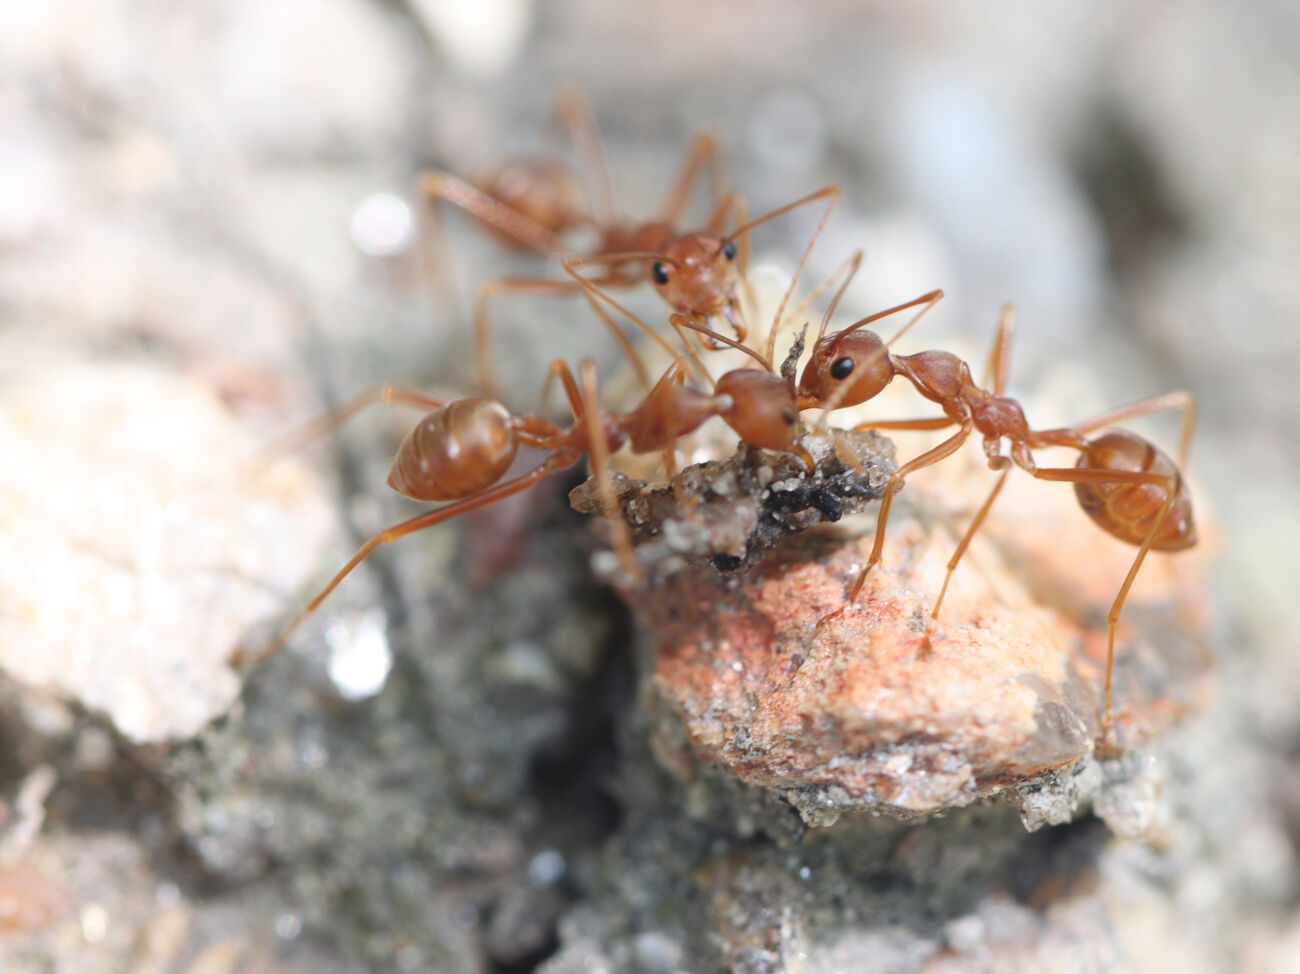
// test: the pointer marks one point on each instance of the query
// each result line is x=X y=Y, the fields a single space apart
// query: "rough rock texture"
x=881 y=708
x=451 y=768
x=138 y=543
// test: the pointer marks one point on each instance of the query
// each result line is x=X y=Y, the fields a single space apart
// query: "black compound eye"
x=729 y=251
x=659 y=272
x=841 y=368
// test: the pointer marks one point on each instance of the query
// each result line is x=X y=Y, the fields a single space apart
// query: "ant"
x=533 y=203
x=462 y=448
x=1131 y=489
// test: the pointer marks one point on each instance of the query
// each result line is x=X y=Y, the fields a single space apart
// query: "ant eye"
x=841 y=368
x=729 y=251
x=659 y=272
x=788 y=416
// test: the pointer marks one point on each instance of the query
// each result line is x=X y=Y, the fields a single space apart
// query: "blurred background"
x=208 y=231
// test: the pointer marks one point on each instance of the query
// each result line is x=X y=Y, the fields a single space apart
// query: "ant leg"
x=596 y=295
x=702 y=149
x=975 y=525
x=1181 y=400
x=575 y=112
x=387 y=395
x=937 y=423
x=1096 y=476
x=999 y=365
x=536 y=285
x=560 y=368
x=434 y=185
x=619 y=532
x=930 y=457
x=558 y=461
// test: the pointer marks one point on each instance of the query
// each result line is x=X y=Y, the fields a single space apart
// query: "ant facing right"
x=535 y=204
x=1127 y=486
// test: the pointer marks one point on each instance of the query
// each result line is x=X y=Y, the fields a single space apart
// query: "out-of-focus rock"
x=137 y=544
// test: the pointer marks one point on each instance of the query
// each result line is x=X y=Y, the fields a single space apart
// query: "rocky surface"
x=206 y=233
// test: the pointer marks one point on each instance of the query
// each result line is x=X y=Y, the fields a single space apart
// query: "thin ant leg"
x=596 y=296
x=620 y=534
x=930 y=457
x=1180 y=400
x=969 y=536
x=999 y=369
x=703 y=149
x=560 y=368
x=1091 y=475
x=387 y=394
x=999 y=364
x=534 y=285
x=558 y=461
x=575 y=112
x=435 y=185
x=937 y=423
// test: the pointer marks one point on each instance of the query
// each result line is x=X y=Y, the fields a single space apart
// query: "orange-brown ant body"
x=462 y=448
x=535 y=204
x=1129 y=488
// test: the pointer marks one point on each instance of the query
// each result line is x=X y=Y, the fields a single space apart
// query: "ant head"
x=846 y=368
x=762 y=408
x=696 y=273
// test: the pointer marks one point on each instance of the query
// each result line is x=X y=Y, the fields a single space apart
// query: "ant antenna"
x=681 y=321
x=851 y=267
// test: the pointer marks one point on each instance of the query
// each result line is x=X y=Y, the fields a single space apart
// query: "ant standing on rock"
x=461 y=449
x=1129 y=488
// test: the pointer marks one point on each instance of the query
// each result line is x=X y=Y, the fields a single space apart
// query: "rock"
x=137 y=545
x=880 y=709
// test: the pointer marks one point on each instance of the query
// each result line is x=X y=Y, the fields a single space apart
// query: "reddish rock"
x=871 y=711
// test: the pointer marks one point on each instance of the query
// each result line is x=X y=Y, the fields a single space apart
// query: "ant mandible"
x=1131 y=489
x=463 y=447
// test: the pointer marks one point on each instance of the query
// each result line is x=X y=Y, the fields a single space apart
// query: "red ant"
x=1129 y=488
x=460 y=451
x=532 y=203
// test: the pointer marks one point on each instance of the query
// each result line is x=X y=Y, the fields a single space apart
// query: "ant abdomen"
x=458 y=450
x=543 y=190
x=1128 y=510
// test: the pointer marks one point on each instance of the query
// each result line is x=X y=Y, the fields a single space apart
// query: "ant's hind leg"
x=703 y=150
x=386 y=395
x=245 y=657
x=1180 y=400
x=1101 y=477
